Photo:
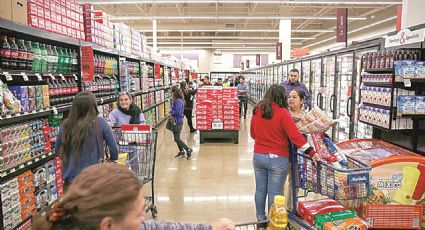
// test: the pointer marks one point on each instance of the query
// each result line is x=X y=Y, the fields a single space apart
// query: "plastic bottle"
x=60 y=60
x=14 y=53
x=22 y=55
x=55 y=60
x=68 y=60
x=74 y=62
x=30 y=54
x=278 y=215
x=4 y=53
x=43 y=59
x=36 y=64
x=50 y=59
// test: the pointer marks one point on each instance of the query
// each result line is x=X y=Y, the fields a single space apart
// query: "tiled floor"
x=217 y=182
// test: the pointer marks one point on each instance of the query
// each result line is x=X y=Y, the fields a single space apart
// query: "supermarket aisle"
x=217 y=182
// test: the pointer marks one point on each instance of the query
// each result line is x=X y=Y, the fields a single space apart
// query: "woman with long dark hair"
x=81 y=137
x=271 y=127
x=189 y=95
x=177 y=111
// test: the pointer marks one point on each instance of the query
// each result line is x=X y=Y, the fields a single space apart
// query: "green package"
x=319 y=220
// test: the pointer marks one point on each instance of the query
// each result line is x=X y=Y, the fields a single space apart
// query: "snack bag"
x=11 y=104
x=314 y=121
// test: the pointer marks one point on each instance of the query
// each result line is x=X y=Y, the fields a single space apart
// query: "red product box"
x=58 y=19
x=58 y=162
x=54 y=26
x=26 y=190
x=40 y=12
x=203 y=122
x=229 y=112
x=49 y=25
x=47 y=14
x=62 y=10
x=203 y=127
x=33 y=21
x=309 y=209
x=231 y=127
x=229 y=122
x=59 y=190
x=53 y=7
x=47 y=4
x=32 y=8
x=41 y=23
x=25 y=178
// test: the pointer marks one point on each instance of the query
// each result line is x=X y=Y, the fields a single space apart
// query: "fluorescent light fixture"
x=240 y=30
x=291 y=2
x=218 y=47
x=225 y=38
x=121 y=18
x=217 y=43
x=353 y=31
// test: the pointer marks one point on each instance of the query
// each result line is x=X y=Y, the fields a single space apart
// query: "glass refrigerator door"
x=360 y=130
x=297 y=66
x=344 y=99
x=305 y=74
x=328 y=90
x=316 y=72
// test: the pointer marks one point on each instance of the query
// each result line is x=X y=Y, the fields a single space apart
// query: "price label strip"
x=55 y=111
x=75 y=77
x=62 y=77
x=8 y=76
x=407 y=82
x=39 y=77
x=24 y=75
x=51 y=76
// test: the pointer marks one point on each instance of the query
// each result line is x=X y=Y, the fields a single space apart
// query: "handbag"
x=171 y=124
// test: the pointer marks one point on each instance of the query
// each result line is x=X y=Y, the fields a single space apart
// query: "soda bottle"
x=50 y=59
x=55 y=60
x=4 y=53
x=43 y=58
x=68 y=60
x=30 y=54
x=14 y=53
x=74 y=62
x=60 y=60
x=278 y=214
x=383 y=59
x=22 y=55
x=36 y=64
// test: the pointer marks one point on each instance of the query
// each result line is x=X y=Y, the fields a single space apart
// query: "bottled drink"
x=36 y=64
x=55 y=60
x=383 y=59
x=60 y=60
x=4 y=53
x=50 y=59
x=30 y=54
x=74 y=62
x=14 y=53
x=43 y=58
x=378 y=59
x=96 y=64
x=68 y=61
x=371 y=56
x=278 y=214
x=22 y=55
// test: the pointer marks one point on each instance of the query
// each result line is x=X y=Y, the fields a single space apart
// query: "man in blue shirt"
x=242 y=96
x=294 y=84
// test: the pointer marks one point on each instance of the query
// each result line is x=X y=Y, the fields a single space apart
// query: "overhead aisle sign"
x=404 y=37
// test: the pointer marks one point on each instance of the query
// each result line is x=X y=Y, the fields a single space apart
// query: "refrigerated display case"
x=305 y=74
x=284 y=73
x=328 y=90
x=316 y=78
x=297 y=65
x=344 y=96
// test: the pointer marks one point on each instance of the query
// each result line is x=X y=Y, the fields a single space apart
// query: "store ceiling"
x=244 y=24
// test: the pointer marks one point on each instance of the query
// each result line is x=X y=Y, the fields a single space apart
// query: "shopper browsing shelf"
x=271 y=126
x=177 y=111
x=127 y=112
x=81 y=137
x=82 y=208
x=189 y=95
x=242 y=96
x=295 y=84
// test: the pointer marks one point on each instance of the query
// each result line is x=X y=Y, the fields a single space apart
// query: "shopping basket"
x=138 y=144
x=336 y=183
x=252 y=225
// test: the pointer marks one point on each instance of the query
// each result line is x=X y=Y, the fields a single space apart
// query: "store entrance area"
x=217 y=182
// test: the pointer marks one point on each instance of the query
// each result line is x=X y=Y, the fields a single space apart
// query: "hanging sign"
x=278 y=50
x=157 y=71
x=186 y=74
x=194 y=76
x=404 y=37
x=242 y=65
x=176 y=74
x=87 y=64
x=341 y=24
x=258 y=59
x=247 y=64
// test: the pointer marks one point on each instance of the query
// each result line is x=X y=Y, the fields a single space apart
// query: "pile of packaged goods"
x=217 y=105
x=122 y=38
x=62 y=91
x=368 y=77
x=37 y=57
x=381 y=117
x=136 y=42
x=31 y=192
x=23 y=142
x=98 y=27
x=55 y=122
x=148 y=100
x=145 y=50
x=150 y=116
x=411 y=105
x=327 y=150
x=102 y=86
x=105 y=65
x=58 y=16
x=32 y=97
x=328 y=214
x=409 y=68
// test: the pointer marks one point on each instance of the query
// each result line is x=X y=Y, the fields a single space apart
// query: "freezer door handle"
x=348 y=106
x=331 y=103
x=317 y=99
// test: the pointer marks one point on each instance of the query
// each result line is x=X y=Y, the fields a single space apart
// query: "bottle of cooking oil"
x=278 y=215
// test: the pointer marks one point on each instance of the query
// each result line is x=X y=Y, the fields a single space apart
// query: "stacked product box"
x=31 y=97
x=145 y=51
x=58 y=175
x=58 y=16
x=122 y=37
x=26 y=194
x=97 y=26
x=136 y=42
x=10 y=202
x=230 y=109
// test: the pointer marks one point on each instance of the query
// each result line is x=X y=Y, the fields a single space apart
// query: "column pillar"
x=412 y=13
x=285 y=38
x=154 y=36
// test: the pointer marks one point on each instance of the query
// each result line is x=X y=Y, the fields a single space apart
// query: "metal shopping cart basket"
x=137 y=149
x=252 y=225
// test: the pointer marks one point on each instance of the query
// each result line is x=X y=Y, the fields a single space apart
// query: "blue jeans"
x=270 y=174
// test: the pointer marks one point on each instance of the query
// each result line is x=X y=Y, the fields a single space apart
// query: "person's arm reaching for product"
x=108 y=136
x=222 y=224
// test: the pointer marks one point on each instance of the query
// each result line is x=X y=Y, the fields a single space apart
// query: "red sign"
x=176 y=74
x=87 y=64
x=157 y=71
x=399 y=16
x=242 y=65
x=278 y=50
x=258 y=59
x=247 y=64
x=300 y=52
x=186 y=74
x=194 y=76
x=341 y=24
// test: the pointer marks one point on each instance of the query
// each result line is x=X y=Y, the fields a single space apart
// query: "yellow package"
x=122 y=158
x=350 y=223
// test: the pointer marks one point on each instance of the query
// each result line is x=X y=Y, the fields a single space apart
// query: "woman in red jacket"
x=271 y=127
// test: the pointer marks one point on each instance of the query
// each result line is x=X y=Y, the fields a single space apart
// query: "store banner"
x=247 y=64
x=87 y=64
x=258 y=59
x=157 y=71
x=399 y=17
x=194 y=76
x=341 y=24
x=300 y=52
x=176 y=73
x=278 y=50
x=242 y=65
x=404 y=37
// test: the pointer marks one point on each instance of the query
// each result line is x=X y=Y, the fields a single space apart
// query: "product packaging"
x=332 y=216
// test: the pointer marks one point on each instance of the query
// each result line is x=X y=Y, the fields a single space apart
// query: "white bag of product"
x=315 y=121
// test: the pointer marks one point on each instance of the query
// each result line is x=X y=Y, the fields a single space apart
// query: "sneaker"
x=193 y=130
x=180 y=154
x=189 y=154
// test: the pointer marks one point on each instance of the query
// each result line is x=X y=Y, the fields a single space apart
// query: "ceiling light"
x=225 y=38
x=217 y=47
x=220 y=43
x=291 y=2
x=121 y=18
x=239 y=30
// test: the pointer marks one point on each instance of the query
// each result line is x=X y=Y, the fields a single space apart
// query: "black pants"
x=188 y=114
x=177 y=139
x=243 y=102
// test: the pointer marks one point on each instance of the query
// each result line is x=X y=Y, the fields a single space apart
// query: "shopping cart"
x=137 y=150
x=252 y=225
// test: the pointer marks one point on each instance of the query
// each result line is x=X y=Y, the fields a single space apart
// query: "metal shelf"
x=100 y=48
x=379 y=70
x=382 y=128
x=378 y=84
x=377 y=105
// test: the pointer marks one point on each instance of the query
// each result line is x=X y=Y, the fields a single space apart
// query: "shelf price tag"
x=52 y=77
x=407 y=82
x=55 y=111
x=8 y=76
x=75 y=77
x=21 y=166
x=62 y=77
x=24 y=75
x=8 y=116
x=39 y=77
